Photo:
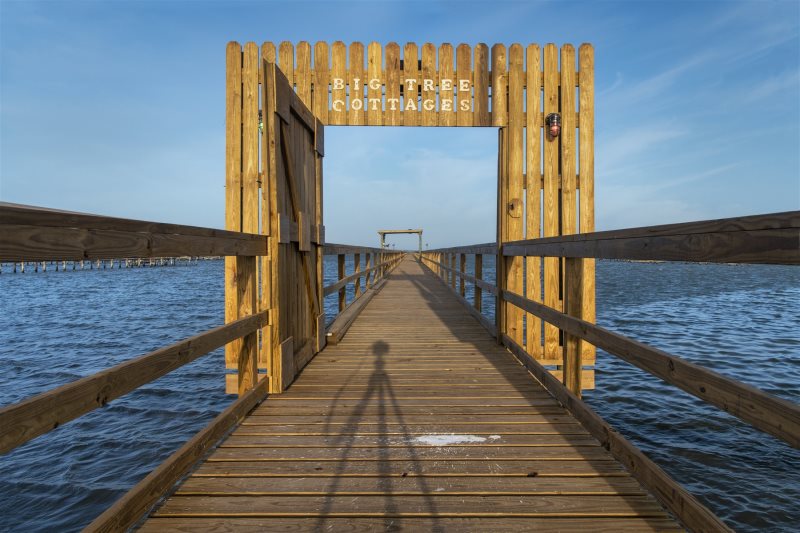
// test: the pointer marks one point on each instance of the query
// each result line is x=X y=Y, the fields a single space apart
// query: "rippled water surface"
x=741 y=321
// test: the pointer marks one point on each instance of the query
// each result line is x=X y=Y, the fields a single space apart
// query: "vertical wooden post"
x=514 y=184
x=343 y=290
x=462 y=267
x=246 y=269
x=533 y=198
x=369 y=281
x=573 y=303
x=479 y=275
x=319 y=148
x=551 y=186
x=500 y=264
x=453 y=267
x=356 y=270
x=233 y=184
x=586 y=163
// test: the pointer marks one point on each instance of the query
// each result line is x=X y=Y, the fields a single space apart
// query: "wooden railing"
x=763 y=239
x=378 y=263
x=38 y=234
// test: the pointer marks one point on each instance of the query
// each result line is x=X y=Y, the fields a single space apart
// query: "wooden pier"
x=410 y=410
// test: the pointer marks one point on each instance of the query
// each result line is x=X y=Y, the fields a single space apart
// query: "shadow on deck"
x=416 y=421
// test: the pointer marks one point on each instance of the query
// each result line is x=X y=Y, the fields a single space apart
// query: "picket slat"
x=481 y=81
x=394 y=116
x=551 y=186
x=302 y=72
x=412 y=85
x=321 y=80
x=338 y=111
x=586 y=162
x=430 y=81
x=374 y=90
x=533 y=194
x=514 y=197
x=464 y=85
x=286 y=61
x=355 y=113
x=447 y=115
x=499 y=86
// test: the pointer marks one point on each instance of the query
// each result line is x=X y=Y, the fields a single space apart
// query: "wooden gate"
x=273 y=187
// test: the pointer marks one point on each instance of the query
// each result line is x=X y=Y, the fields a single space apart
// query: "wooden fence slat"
x=447 y=114
x=355 y=113
x=374 y=84
x=321 y=81
x=246 y=271
x=499 y=86
x=478 y=276
x=481 y=116
x=268 y=52
x=412 y=85
x=533 y=193
x=568 y=199
x=586 y=164
x=356 y=270
x=302 y=73
x=394 y=110
x=338 y=111
x=551 y=186
x=286 y=61
x=430 y=81
x=464 y=85
x=340 y=276
x=514 y=198
x=233 y=185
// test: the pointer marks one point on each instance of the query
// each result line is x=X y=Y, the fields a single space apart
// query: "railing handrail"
x=30 y=233
x=773 y=238
x=46 y=411
x=330 y=248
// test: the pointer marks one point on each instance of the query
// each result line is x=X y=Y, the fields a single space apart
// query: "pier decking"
x=416 y=420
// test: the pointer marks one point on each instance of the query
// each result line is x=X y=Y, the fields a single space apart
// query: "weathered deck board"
x=417 y=421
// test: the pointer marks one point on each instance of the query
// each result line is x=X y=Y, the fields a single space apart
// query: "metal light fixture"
x=553 y=124
x=260 y=121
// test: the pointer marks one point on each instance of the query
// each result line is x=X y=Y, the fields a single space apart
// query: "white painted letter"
x=375 y=102
x=427 y=85
x=463 y=85
x=338 y=83
x=374 y=83
x=446 y=104
x=464 y=105
x=340 y=103
x=411 y=104
x=446 y=85
x=410 y=82
x=429 y=105
x=356 y=104
x=356 y=86
x=392 y=103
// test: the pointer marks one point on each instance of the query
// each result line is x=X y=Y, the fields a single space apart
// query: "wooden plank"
x=533 y=195
x=268 y=52
x=374 y=83
x=394 y=109
x=302 y=73
x=343 y=290
x=515 y=184
x=233 y=188
x=286 y=61
x=573 y=305
x=321 y=81
x=568 y=201
x=412 y=85
x=586 y=168
x=357 y=274
x=464 y=114
x=39 y=414
x=287 y=370
x=735 y=240
x=355 y=113
x=780 y=418
x=462 y=267
x=481 y=113
x=367 y=525
x=447 y=102
x=127 y=510
x=273 y=205
x=499 y=86
x=550 y=218
x=478 y=291
x=430 y=77
x=467 y=506
x=246 y=268
x=339 y=81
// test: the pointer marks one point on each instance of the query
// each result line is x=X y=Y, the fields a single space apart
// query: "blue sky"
x=117 y=108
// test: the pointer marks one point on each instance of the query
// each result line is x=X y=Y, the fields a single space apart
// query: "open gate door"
x=292 y=151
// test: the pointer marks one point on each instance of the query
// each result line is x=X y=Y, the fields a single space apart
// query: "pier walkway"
x=418 y=421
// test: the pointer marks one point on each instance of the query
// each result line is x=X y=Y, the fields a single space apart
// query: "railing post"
x=479 y=275
x=462 y=267
x=357 y=269
x=343 y=290
x=370 y=279
x=452 y=271
x=573 y=304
